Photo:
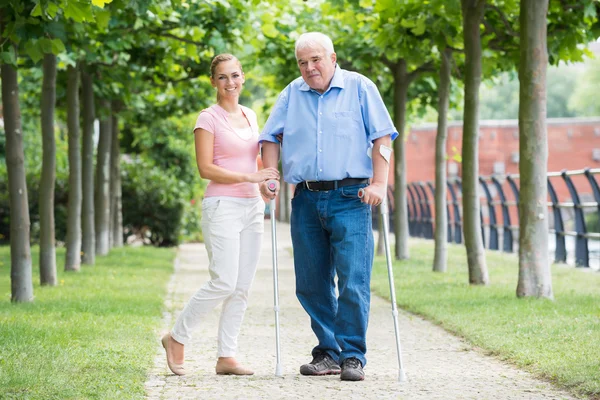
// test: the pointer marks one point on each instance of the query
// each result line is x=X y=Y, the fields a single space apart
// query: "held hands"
x=373 y=194
x=264 y=175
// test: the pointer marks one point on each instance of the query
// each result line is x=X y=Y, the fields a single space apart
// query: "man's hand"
x=374 y=194
x=266 y=193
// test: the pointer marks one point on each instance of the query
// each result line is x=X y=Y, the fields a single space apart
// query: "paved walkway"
x=438 y=365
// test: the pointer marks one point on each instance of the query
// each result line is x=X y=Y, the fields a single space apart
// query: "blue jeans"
x=331 y=234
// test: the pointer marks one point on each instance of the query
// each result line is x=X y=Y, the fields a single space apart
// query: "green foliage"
x=33 y=170
x=156 y=204
x=555 y=340
x=91 y=337
x=584 y=99
x=592 y=222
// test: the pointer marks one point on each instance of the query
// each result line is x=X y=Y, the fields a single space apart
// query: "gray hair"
x=312 y=39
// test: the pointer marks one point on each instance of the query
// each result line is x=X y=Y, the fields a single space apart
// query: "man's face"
x=316 y=68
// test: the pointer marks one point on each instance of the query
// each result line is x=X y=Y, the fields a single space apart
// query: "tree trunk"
x=441 y=215
x=88 y=231
x=102 y=200
x=535 y=277
x=472 y=11
x=73 y=244
x=116 y=213
x=401 y=83
x=48 y=178
x=21 y=281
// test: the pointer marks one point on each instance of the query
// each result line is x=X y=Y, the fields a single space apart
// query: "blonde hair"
x=222 y=58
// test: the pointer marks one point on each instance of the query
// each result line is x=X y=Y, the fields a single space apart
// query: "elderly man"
x=335 y=132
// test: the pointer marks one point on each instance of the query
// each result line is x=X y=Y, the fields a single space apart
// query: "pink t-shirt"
x=231 y=151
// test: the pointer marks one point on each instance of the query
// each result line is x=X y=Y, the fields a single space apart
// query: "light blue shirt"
x=328 y=136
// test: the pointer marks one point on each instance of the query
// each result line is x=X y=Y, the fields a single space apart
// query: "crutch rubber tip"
x=278 y=371
x=402 y=376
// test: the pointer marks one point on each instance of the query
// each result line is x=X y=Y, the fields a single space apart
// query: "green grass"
x=556 y=340
x=93 y=336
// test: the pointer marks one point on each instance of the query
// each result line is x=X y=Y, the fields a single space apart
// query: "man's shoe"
x=352 y=370
x=322 y=364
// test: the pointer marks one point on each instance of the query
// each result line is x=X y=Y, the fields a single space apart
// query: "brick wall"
x=572 y=144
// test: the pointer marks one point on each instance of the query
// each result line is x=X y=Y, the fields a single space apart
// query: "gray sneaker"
x=322 y=364
x=352 y=370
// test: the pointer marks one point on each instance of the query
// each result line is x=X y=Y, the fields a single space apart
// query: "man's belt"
x=317 y=186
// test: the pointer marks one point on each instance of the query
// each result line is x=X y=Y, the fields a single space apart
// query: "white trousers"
x=233 y=230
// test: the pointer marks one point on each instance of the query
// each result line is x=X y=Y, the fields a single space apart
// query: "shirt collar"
x=336 y=81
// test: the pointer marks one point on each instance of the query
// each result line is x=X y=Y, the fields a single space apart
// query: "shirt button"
x=320 y=170
x=320 y=150
x=320 y=131
x=320 y=113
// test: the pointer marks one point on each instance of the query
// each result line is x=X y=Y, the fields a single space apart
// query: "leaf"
x=46 y=45
x=9 y=57
x=191 y=50
x=57 y=46
x=37 y=11
x=270 y=31
x=420 y=28
x=407 y=23
x=101 y=3
x=77 y=12
x=590 y=10
x=138 y=24
x=102 y=19
x=33 y=50
x=52 y=10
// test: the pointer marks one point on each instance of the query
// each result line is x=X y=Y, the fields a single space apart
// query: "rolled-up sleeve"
x=376 y=116
x=275 y=124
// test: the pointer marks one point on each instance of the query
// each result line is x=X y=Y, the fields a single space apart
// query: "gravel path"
x=438 y=365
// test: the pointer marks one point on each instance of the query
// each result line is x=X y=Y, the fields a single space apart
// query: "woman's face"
x=228 y=79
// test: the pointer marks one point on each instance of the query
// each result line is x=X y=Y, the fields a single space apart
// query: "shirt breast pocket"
x=347 y=123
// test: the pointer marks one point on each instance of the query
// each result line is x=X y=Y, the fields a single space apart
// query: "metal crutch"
x=388 y=256
x=272 y=186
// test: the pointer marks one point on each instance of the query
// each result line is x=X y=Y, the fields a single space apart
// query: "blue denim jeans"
x=331 y=235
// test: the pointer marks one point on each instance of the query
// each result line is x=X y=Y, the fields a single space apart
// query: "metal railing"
x=501 y=193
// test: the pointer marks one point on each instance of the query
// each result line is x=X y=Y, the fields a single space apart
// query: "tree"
x=534 y=268
x=472 y=11
x=116 y=215
x=73 y=242
x=88 y=231
x=102 y=199
x=48 y=179
x=20 y=252
x=441 y=215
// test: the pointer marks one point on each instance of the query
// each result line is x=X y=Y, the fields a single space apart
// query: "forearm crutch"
x=272 y=186
x=383 y=208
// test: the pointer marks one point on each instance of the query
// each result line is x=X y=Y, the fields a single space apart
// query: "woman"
x=226 y=136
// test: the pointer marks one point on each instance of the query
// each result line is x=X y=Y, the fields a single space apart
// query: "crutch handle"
x=272 y=185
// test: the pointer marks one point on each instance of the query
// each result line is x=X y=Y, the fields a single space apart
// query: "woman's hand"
x=268 y=193
x=264 y=175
